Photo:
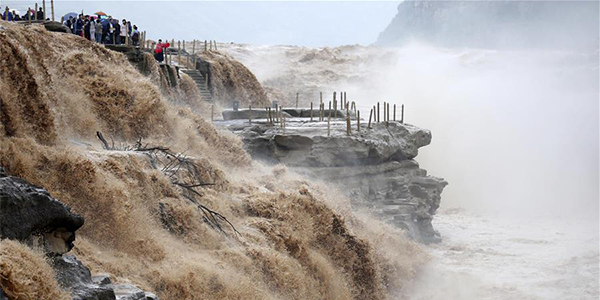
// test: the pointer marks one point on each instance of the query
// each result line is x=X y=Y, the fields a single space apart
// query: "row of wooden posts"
x=190 y=60
x=7 y=10
x=278 y=117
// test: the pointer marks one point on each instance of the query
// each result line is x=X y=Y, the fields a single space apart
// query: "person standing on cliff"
x=117 y=33
x=92 y=29
x=7 y=16
x=99 y=30
x=135 y=36
x=124 y=32
x=40 y=14
x=159 y=52
x=16 y=16
x=79 y=25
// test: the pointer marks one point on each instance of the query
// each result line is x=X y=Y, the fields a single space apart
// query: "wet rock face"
x=73 y=275
x=375 y=166
x=76 y=277
x=29 y=214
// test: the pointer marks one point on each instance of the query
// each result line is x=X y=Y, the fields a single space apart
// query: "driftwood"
x=178 y=163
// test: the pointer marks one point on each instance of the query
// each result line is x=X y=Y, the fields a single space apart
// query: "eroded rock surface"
x=375 y=166
x=73 y=275
x=29 y=214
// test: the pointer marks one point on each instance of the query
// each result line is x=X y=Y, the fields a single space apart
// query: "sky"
x=313 y=23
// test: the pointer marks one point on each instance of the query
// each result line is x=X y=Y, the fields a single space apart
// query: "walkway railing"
x=32 y=14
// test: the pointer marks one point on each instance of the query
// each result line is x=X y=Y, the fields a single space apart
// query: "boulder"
x=74 y=276
x=29 y=214
x=128 y=292
x=56 y=27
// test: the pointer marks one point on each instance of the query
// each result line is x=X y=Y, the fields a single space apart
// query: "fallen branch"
x=178 y=162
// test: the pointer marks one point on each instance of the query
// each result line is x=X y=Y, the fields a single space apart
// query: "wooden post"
x=34 y=13
x=267 y=117
x=172 y=45
x=402 y=115
x=329 y=120
x=250 y=113
x=311 y=111
x=377 y=112
x=210 y=46
x=358 y=121
x=44 y=8
x=195 y=60
x=374 y=114
x=212 y=113
x=346 y=100
x=216 y=46
x=194 y=54
x=348 y=127
x=52 y=9
x=321 y=108
x=370 y=115
x=388 y=113
x=28 y=14
x=6 y=14
x=297 y=96
x=205 y=45
x=334 y=105
x=276 y=113
x=384 y=113
x=394 y=112
x=320 y=112
x=179 y=53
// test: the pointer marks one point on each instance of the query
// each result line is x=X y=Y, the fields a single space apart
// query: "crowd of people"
x=104 y=29
x=29 y=15
x=98 y=28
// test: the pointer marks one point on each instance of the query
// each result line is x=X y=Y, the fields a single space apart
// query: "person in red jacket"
x=159 y=52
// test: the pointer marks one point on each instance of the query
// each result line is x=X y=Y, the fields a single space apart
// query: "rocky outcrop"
x=29 y=214
x=374 y=167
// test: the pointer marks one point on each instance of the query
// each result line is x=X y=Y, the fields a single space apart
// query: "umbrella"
x=100 y=13
x=71 y=14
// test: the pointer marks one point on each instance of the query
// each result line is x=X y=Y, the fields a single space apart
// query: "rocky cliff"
x=491 y=24
x=375 y=167
x=31 y=216
x=173 y=206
